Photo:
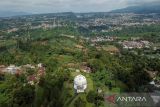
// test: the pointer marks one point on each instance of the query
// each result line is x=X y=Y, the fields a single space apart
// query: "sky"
x=52 y=6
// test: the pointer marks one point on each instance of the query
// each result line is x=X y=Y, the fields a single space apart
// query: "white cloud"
x=43 y=6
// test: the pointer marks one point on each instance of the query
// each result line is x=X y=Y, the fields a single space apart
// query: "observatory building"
x=80 y=83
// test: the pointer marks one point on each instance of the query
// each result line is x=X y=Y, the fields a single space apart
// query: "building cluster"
x=103 y=38
x=34 y=78
x=135 y=44
x=42 y=25
x=117 y=20
x=12 y=69
x=38 y=71
x=12 y=30
x=105 y=21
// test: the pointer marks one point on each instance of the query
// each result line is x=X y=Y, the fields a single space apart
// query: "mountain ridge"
x=12 y=13
x=140 y=9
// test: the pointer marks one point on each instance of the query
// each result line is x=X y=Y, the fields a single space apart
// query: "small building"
x=2 y=68
x=80 y=83
x=40 y=65
x=41 y=71
x=29 y=66
x=12 y=69
x=152 y=83
x=99 y=90
x=32 y=79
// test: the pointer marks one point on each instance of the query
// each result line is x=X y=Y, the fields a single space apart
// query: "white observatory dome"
x=80 y=83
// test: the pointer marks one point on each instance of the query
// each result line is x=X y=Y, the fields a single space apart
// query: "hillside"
x=140 y=9
x=12 y=13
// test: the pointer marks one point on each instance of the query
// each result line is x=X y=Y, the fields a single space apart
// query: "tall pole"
x=28 y=33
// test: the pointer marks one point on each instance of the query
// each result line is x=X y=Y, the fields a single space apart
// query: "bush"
x=80 y=103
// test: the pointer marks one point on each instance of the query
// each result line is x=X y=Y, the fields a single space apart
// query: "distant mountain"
x=11 y=13
x=147 y=8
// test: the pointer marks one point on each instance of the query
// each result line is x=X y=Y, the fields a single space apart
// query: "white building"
x=80 y=83
x=12 y=69
x=40 y=65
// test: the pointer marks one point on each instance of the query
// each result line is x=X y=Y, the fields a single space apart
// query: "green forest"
x=62 y=50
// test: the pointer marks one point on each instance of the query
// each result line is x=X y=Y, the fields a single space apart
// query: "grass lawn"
x=7 y=43
x=124 y=37
x=82 y=96
x=65 y=58
x=110 y=48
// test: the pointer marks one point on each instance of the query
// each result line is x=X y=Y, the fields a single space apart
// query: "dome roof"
x=80 y=82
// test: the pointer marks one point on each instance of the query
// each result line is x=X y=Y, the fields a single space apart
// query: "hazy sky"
x=47 y=6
